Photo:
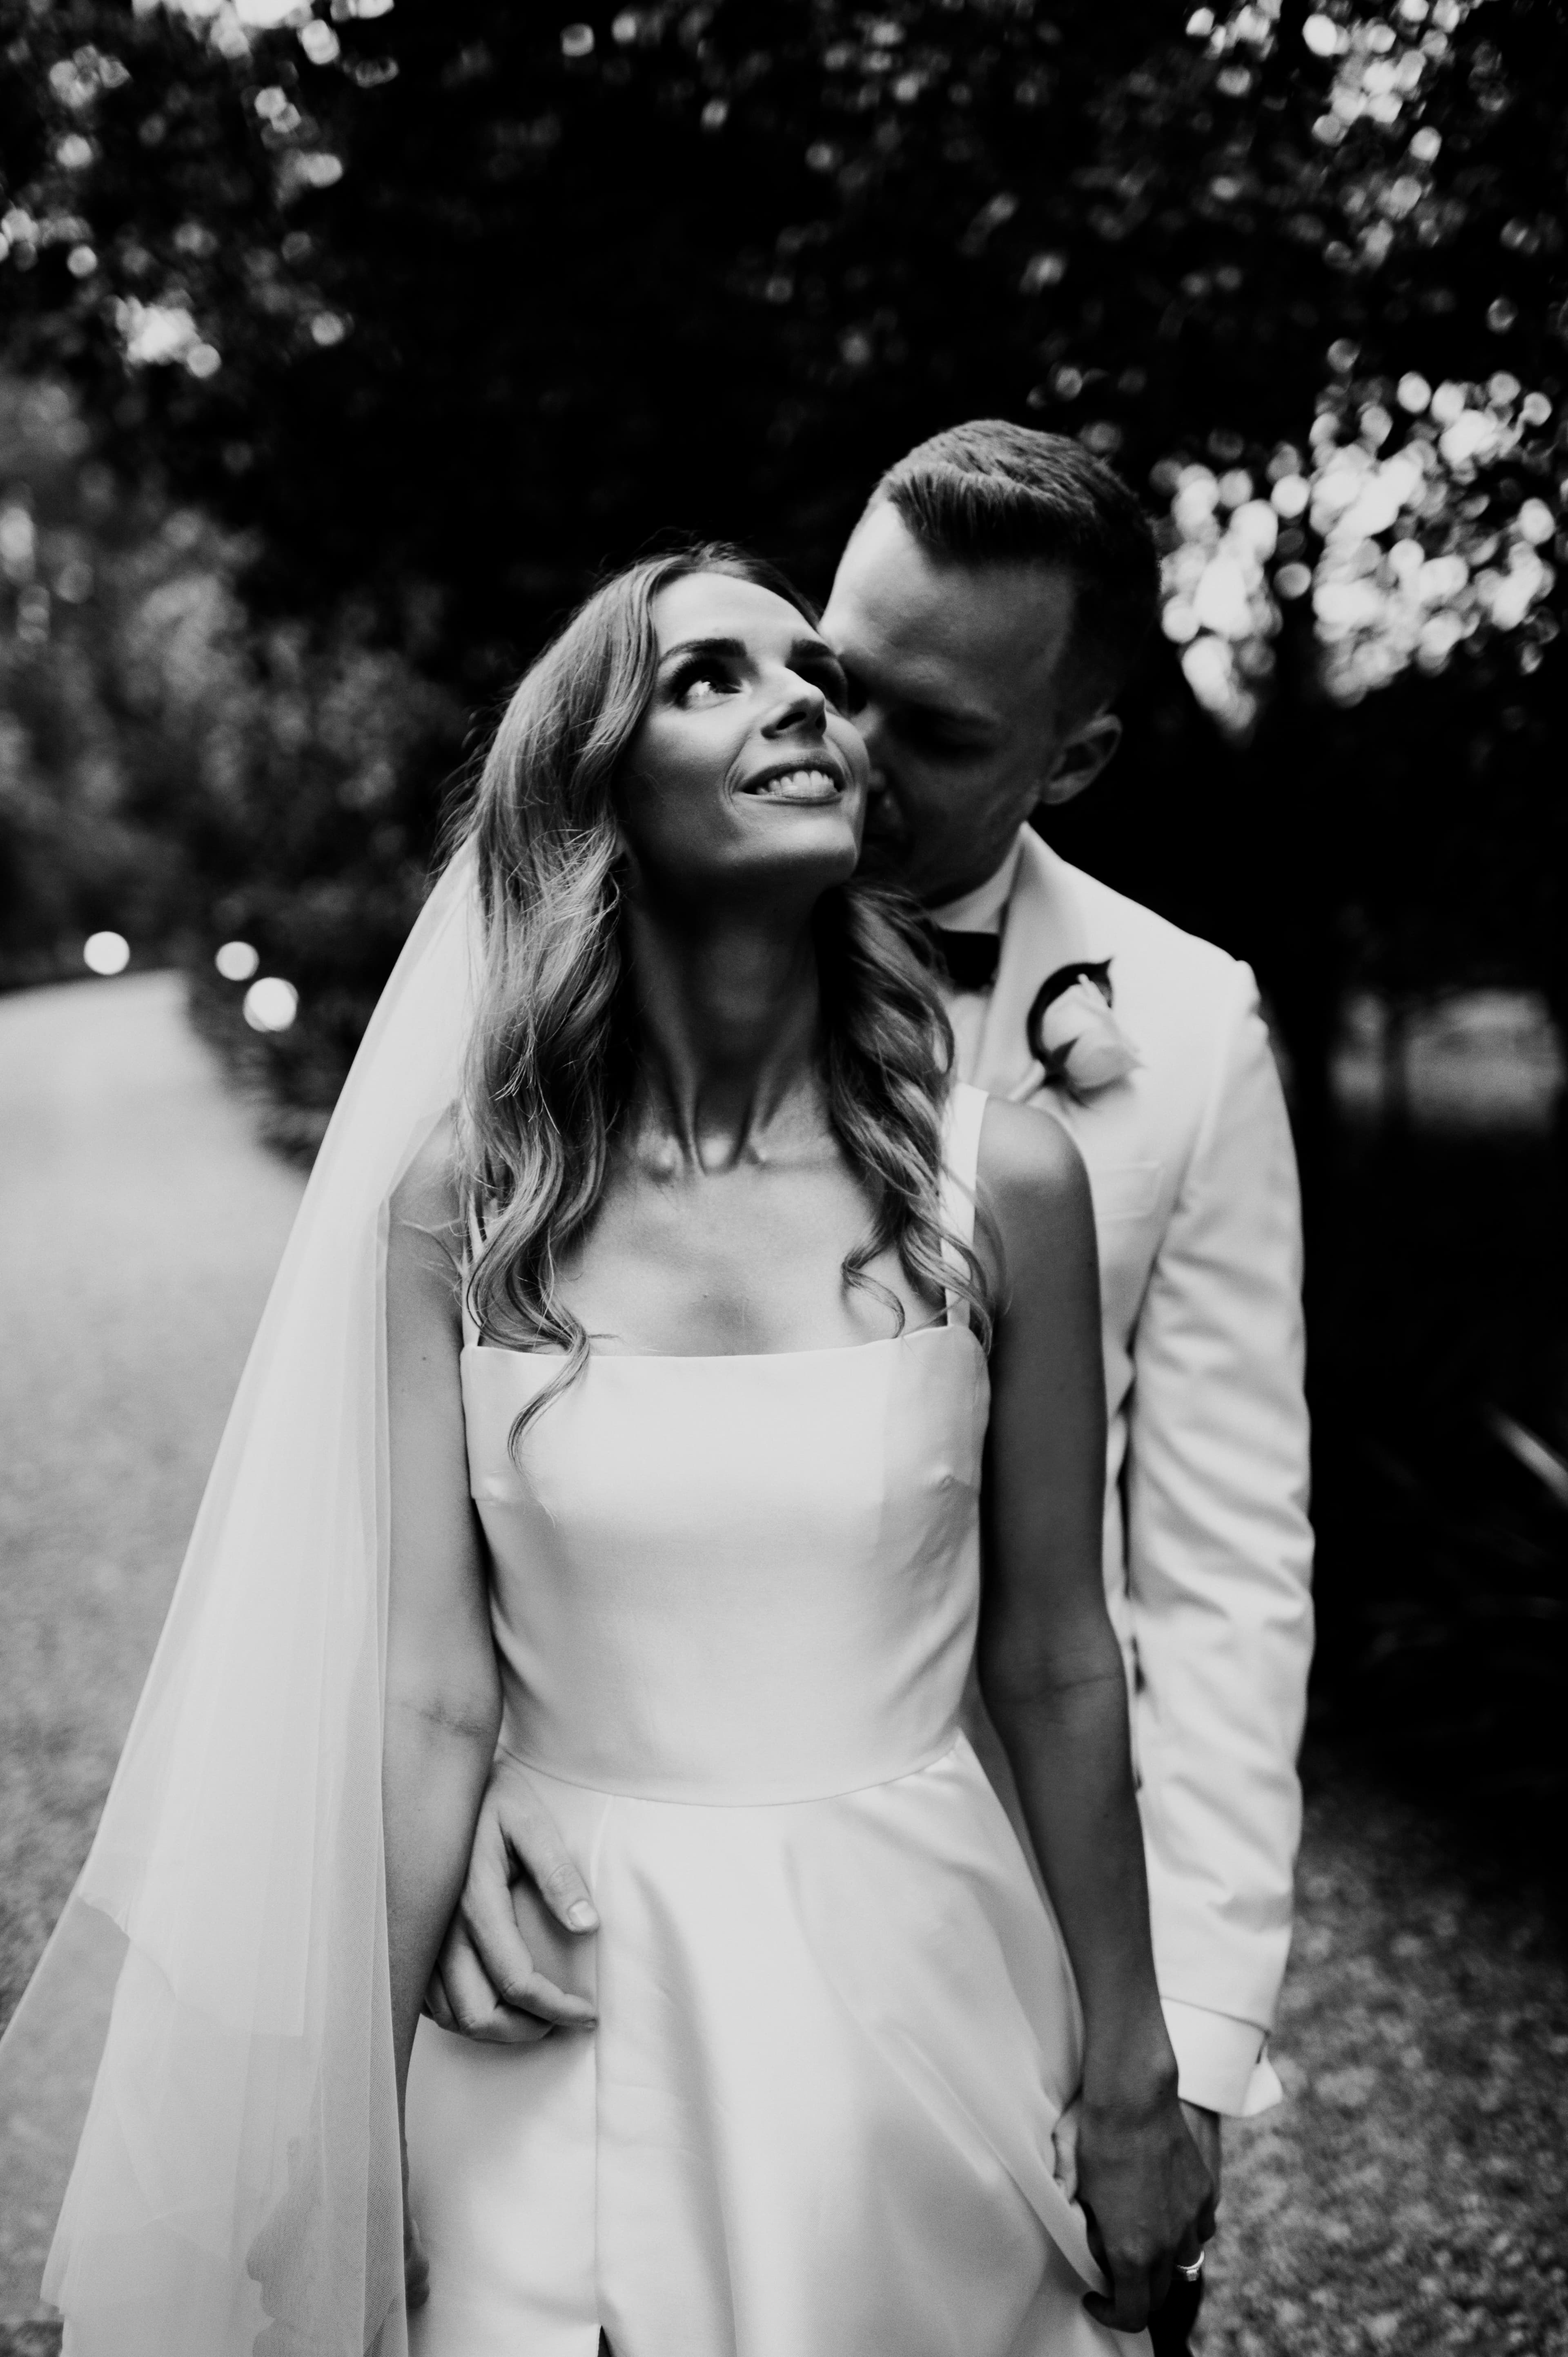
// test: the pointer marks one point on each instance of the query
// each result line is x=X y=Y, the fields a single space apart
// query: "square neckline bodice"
x=945 y=1324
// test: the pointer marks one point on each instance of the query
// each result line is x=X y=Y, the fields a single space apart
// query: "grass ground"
x=1410 y=2196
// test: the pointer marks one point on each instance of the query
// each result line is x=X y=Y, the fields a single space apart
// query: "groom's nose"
x=882 y=814
x=872 y=724
x=873 y=736
x=881 y=785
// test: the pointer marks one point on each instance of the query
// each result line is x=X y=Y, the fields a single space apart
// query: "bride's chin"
x=824 y=837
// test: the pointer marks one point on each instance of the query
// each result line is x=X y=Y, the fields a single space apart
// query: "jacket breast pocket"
x=1124 y=1190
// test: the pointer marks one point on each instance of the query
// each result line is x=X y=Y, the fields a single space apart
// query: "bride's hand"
x=493 y=1977
x=1147 y=2197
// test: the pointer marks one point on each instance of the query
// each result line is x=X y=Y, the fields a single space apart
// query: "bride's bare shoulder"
x=1038 y=1222
x=426 y=1201
x=1028 y=1163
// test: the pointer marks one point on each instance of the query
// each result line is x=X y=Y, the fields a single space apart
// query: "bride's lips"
x=812 y=781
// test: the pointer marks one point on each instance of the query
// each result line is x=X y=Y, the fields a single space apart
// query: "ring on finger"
x=1190 y=2272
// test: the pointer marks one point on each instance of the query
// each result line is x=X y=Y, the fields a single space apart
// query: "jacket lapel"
x=1045 y=928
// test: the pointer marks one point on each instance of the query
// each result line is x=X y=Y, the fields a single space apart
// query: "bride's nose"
x=799 y=705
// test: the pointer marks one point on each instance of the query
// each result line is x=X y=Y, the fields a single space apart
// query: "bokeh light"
x=1407 y=530
x=237 y=961
x=106 y=952
x=271 y=1005
x=156 y=334
x=1218 y=606
x=1425 y=547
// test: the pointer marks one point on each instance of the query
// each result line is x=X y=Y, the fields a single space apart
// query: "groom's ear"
x=1079 y=757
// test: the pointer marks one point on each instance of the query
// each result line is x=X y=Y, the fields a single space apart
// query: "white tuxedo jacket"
x=1208 y=1549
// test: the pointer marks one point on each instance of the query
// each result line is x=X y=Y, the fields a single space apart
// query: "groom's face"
x=958 y=673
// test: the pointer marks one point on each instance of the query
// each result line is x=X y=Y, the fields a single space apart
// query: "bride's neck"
x=728 y=1013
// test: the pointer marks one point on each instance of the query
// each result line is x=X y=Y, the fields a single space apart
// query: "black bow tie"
x=969 y=958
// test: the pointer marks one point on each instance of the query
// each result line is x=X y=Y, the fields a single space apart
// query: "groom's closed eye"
x=932 y=730
x=852 y=696
x=826 y=672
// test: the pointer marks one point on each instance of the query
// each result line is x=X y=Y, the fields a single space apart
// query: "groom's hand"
x=1147 y=2199
x=511 y=1945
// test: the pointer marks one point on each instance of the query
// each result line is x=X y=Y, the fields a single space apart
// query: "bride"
x=650 y=1392
x=695 y=1353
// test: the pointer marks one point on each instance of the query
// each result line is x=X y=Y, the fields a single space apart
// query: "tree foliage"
x=444 y=309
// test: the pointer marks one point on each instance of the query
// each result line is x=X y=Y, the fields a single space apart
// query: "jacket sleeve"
x=1219 y=1566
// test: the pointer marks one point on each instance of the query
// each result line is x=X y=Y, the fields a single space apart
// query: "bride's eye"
x=703 y=683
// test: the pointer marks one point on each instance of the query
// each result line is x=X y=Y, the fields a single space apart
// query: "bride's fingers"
x=1128 y=2307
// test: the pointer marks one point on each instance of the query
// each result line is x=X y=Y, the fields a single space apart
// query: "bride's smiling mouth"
x=808 y=781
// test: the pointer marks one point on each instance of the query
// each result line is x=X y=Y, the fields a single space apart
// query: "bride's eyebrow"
x=734 y=649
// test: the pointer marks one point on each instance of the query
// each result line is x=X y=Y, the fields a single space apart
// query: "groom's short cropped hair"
x=992 y=492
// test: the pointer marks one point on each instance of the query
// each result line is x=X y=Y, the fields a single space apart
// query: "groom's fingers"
x=487 y=1941
x=474 y=2007
x=416 y=2265
x=530 y=1833
x=491 y=1985
x=435 y=2002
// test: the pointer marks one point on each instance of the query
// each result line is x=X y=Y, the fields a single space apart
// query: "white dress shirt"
x=980 y=911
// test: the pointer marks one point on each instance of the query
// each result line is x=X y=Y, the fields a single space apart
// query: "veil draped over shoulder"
x=236 y=2190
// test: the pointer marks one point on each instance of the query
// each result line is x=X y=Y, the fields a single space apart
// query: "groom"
x=990 y=607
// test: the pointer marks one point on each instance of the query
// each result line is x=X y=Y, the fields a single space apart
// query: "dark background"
x=340 y=353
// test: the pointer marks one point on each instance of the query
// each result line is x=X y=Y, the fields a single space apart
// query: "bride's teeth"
x=806 y=785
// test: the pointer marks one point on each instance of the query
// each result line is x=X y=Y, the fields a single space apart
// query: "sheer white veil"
x=236 y=2189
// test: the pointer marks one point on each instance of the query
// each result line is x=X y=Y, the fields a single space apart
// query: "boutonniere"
x=1076 y=1043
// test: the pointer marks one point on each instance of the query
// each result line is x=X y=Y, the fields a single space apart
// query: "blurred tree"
x=172 y=770
x=73 y=853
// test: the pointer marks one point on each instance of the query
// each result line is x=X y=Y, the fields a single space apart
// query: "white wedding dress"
x=735 y=1600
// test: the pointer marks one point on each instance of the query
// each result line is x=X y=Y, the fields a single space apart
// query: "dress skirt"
x=818 y=2115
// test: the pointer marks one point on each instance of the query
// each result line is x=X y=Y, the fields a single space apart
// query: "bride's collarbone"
x=745 y=1261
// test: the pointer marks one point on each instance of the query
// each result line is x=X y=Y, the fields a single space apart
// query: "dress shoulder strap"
x=961 y=1166
x=476 y=1244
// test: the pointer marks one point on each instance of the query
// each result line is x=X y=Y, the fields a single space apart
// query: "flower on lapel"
x=1076 y=1039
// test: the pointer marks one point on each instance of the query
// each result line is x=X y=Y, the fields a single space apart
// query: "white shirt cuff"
x=1221 y=2063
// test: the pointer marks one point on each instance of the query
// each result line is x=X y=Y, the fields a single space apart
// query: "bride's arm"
x=442 y=1687
x=1052 y=1680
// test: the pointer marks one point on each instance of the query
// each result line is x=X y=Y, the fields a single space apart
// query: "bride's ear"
x=624 y=867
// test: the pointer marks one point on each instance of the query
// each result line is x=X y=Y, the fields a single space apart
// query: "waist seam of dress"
x=777 y=1800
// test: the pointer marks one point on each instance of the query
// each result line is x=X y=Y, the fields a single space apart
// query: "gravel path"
x=1410 y=2197
x=140 y=1224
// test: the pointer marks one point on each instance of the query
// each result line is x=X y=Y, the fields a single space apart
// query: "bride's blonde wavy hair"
x=551 y=1060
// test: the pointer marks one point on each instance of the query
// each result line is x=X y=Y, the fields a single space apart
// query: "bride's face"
x=745 y=773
